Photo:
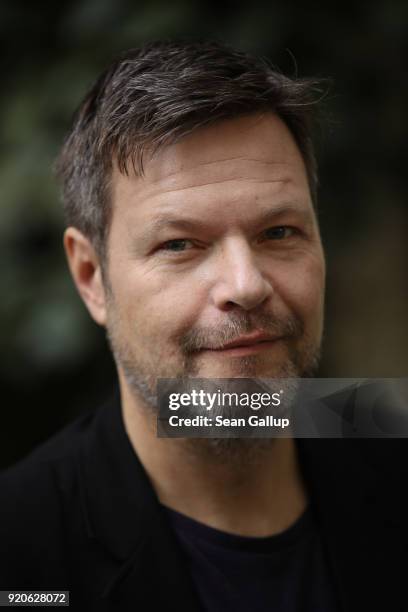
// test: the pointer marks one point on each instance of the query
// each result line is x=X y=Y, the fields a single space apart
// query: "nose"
x=240 y=281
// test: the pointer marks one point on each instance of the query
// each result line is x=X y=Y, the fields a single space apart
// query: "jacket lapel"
x=147 y=569
x=153 y=577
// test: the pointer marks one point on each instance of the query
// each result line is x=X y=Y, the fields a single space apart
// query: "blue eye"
x=279 y=232
x=180 y=244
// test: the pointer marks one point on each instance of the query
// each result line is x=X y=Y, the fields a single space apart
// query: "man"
x=189 y=186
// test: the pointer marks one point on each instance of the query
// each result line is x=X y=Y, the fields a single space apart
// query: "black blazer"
x=80 y=514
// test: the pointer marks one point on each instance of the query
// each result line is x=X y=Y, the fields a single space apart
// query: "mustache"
x=197 y=338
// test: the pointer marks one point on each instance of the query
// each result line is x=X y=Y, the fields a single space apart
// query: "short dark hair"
x=155 y=95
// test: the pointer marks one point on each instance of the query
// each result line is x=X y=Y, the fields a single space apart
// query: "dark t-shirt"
x=286 y=572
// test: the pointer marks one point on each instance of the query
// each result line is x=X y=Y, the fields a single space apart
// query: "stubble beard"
x=141 y=375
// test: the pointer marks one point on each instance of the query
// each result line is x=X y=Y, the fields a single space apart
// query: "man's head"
x=189 y=184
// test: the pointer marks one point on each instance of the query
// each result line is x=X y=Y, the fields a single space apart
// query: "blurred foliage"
x=54 y=359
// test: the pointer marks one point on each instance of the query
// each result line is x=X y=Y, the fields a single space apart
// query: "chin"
x=246 y=367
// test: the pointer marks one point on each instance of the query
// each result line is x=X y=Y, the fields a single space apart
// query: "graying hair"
x=155 y=95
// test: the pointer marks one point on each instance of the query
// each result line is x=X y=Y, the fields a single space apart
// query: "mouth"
x=250 y=344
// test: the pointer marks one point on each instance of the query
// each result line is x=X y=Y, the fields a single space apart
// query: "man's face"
x=217 y=244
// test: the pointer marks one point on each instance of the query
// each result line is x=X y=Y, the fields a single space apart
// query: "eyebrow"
x=170 y=220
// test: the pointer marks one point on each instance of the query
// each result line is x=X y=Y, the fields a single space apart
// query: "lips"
x=247 y=340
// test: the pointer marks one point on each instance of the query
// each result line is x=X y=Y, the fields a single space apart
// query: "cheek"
x=158 y=308
x=302 y=289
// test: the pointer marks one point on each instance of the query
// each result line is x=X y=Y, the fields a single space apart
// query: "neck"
x=249 y=487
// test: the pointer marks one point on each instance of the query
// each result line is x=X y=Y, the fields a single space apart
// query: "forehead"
x=217 y=169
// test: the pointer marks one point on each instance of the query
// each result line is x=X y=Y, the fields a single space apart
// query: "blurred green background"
x=54 y=359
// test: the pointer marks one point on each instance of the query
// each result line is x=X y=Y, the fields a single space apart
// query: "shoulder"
x=36 y=472
x=388 y=456
x=36 y=495
x=364 y=424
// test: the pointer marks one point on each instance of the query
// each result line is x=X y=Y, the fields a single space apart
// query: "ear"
x=86 y=271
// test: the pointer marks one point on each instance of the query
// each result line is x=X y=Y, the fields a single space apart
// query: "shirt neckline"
x=193 y=529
